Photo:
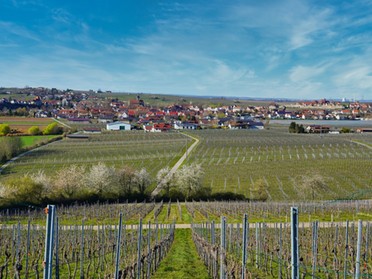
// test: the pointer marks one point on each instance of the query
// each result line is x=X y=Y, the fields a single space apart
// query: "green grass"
x=29 y=141
x=182 y=261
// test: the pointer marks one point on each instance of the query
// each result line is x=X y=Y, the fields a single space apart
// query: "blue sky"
x=282 y=49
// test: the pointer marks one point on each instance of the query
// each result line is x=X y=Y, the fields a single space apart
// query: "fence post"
x=118 y=243
x=57 y=247
x=315 y=247
x=223 y=248
x=48 y=255
x=346 y=248
x=245 y=235
x=82 y=252
x=139 y=246
x=149 y=254
x=280 y=251
x=294 y=243
x=28 y=246
x=359 y=247
x=258 y=226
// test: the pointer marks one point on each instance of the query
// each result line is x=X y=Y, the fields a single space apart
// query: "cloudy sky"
x=275 y=48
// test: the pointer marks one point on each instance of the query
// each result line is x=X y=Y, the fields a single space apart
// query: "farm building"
x=185 y=126
x=118 y=126
x=364 y=130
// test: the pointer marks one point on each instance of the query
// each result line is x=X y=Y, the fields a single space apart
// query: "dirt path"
x=177 y=165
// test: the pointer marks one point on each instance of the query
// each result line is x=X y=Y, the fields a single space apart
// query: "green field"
x=232 y=161
x=29 y=141
x=235 y=160
x=135 y=149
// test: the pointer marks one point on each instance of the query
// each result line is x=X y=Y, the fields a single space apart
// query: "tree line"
x=101 y=182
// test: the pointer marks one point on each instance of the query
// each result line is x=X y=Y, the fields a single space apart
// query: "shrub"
x=21 y=191
x=34 y=130
x=53 y=129
x=4 y=129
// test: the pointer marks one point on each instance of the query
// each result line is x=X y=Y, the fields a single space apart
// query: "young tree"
x=142 y=180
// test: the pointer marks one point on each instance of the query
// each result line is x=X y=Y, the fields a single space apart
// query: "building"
x=118 y=126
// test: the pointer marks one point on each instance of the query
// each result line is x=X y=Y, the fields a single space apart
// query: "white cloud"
x=303 y=73
x=17 y=30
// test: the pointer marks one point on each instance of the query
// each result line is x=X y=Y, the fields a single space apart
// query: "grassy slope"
x=182 y=260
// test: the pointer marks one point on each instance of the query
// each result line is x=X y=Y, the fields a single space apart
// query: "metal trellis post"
x=294 y=243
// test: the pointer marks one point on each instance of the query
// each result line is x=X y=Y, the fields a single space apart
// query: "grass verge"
x=182 y=260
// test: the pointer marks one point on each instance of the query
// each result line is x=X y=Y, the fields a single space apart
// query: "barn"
x=118 y=126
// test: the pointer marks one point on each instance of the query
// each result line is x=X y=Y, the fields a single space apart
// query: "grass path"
x=182 y=260
x=178 y=164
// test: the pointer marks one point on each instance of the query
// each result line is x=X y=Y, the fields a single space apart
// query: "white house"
x=118 y=126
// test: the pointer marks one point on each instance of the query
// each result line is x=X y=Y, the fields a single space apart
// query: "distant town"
x=115 y=112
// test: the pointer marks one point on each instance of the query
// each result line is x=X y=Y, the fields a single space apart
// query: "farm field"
x=236 y=161
x=22 y=124
x=135 y=149
x=279 y=165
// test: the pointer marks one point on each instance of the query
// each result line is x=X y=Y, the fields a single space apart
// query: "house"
x=364 y=130
x=118 y=126
x=318 y=129
x=185 y=126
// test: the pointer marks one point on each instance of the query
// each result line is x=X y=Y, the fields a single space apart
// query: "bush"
x=4 y=129
x=34 y=130
x=9 y=147
x=21 y=191
x=53 y=129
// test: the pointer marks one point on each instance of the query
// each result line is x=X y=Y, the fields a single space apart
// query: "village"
x=92 y=111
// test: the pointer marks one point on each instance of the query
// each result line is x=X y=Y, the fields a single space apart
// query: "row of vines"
x=84 y=251
x=325 y=250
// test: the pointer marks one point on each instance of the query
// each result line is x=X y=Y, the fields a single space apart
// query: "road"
x=176 y=166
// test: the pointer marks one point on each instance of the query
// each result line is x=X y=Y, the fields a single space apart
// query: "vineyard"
x=278 y=165
x=86 y=239
x=325 y=251
x=135 y=149
x=239 y=161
